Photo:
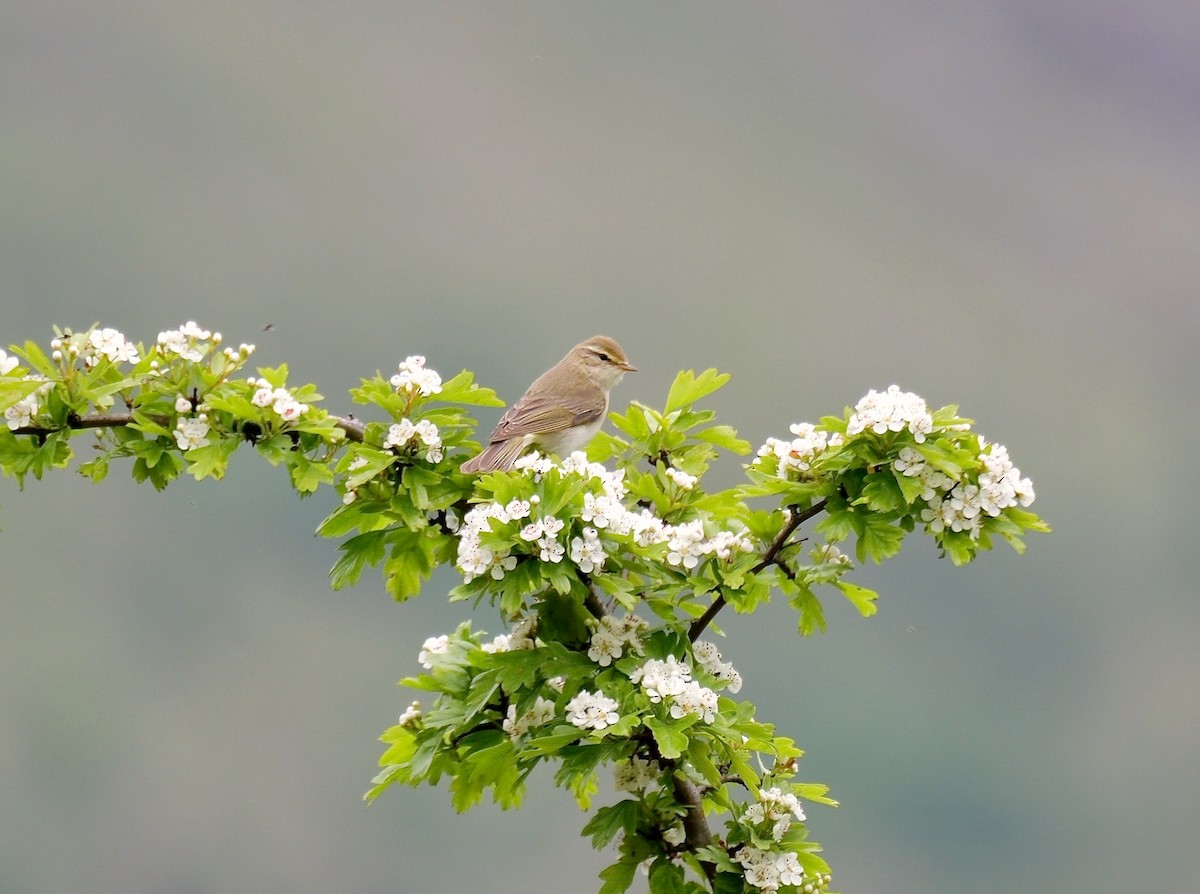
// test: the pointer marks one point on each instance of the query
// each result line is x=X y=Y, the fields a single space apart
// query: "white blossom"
x=517 y=509
x=1001 y=484
x=681 y=478
x=424 y=434
x=587 y=552
x=189 y=341
x=636 y=775
x=686 y=544
x=891 y=410
x=675 y=835
x=111 y=344
x=191 y=433
x=534 y=464
x=795 y=457
x=8 y=364
x=522 y=636
x=589 y=710
x=709 y=659
x=768 y=870
x=280 y=400
x=829 y=554
x=604 y=648
x=411 y=715
x=432 y=647
x=724 y=544
x=473 y=559
x=612 y=635
x=413 y=376
x=909 y=462
x=694 y=699
x=662 y=679
x=500 y=643
x=776 y=807
x=542 y=711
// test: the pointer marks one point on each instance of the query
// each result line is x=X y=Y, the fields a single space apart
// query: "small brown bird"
x=562 y=410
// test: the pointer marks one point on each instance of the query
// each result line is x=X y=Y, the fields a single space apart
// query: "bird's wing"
x=538 y=414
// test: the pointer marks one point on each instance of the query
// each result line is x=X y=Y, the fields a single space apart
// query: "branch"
x=770 y=557
x=695 y=824
x=355 y=429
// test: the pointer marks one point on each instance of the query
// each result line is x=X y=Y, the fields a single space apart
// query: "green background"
x=993 y=203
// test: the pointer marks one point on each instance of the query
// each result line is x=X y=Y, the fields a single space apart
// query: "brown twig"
x=355 y=429
x=769 y=558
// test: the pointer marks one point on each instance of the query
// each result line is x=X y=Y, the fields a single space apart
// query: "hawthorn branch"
x=695 y=824
x=769 y=558
x=355 y=429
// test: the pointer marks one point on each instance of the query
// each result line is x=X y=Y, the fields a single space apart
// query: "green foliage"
x=608 y=570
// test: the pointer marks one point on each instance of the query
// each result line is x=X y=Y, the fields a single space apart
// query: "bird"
x=561 y=411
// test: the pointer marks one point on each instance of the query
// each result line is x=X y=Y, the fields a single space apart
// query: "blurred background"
x=989 y=203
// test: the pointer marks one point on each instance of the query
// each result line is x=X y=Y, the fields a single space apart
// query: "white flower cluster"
x=105 y=343
x=911 y=464
x=8 y=364
x=542 y=711
x=613 y=635
x=543 y=533
x=22 y=412
x=588 y=710
x=796 y=456
x=406 y=433
x=670 y=682
x=891 y=410
x=189 y=341
x=769 y=870
x=709 y=659
x=681 y=478
x=278 y=399
x=520 y=637
x=966 y=505
x=776 y=807
x=431 y=648
x=602 y=513
x=587 y=551
x=411 y=715
x=687 y=543
x=473 y=559
x=636 y=775
x=191 y=433
x=413 y=376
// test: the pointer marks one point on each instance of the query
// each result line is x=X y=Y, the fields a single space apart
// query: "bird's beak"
x=627 y=366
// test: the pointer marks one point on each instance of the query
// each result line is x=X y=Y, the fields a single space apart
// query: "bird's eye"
x=605 y=357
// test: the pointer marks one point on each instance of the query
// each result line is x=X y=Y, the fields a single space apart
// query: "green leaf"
x=618 y=877
x=411 y=562
x=210 y=461
x=882 y=493
x=666 y=877
x=862 y=598
x=942 y=459
x=461 y=389
x=307 y=475
x=878 y=539
x=724 y=436
x=812 y=615
x=608 y=821
x=689 y=388
x=357 y=553
x=36 y=358
x=910 y=488
x=671 y=741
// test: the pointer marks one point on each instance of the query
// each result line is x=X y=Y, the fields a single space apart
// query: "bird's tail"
x=497 y=457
